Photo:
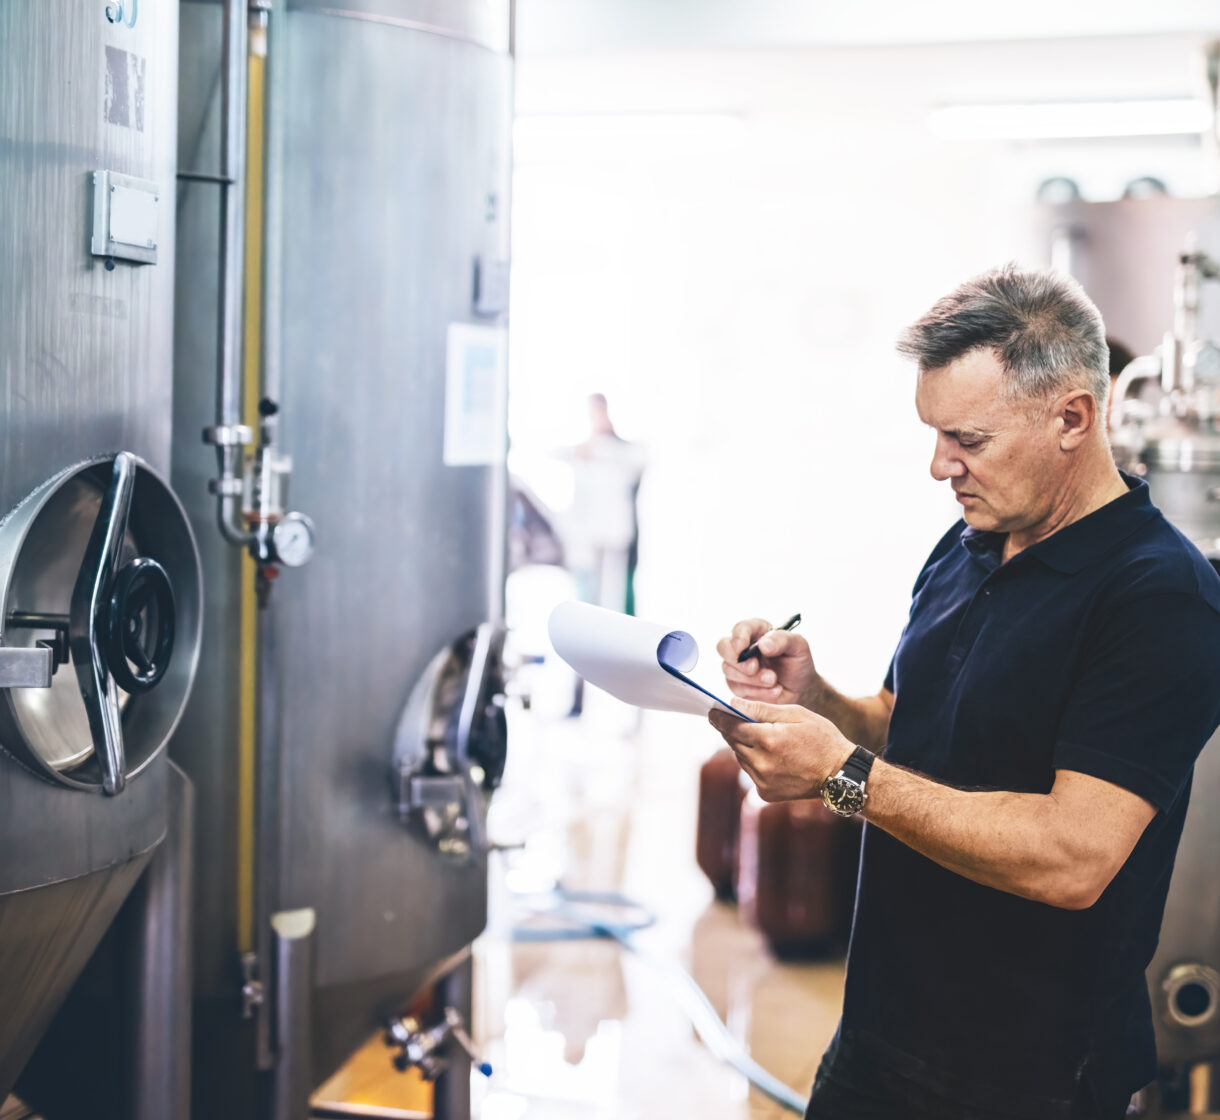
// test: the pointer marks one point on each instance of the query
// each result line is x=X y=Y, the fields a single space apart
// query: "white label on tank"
x=133 y=217
x=476 y=374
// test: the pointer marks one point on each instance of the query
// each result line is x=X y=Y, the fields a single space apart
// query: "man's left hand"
x=789 y=753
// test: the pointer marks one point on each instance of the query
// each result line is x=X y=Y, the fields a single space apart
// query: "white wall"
x=727 y=244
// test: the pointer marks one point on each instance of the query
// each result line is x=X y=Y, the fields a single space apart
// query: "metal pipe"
x=157 y=964
x=229 y=435
x=274 y=94
x=451 y=1097
x=1177 y=372
x=267 y=810
x=1064 y=240
x=1139 y=369
x=203 y=177
x=498 y=568
x=232 y=212
x=1185 y=320
x=293 y=1077
x=227 y=511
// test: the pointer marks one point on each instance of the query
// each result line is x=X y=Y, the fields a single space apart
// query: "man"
x=1057 y=677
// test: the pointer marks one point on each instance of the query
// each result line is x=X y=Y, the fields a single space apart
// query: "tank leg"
x=292 y=1079
x=451 y=1100
x=1205 y=1087
x=157 y=959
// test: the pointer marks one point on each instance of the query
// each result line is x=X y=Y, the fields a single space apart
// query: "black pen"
x=752 y=650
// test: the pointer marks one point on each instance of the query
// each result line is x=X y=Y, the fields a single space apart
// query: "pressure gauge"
x=1205 y=362
x=292 y=540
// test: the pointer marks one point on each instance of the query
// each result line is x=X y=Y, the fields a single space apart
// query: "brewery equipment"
x=1165 y=408
x=1149 y=265
x=333 y=283
x=345 y=731
x=99 y=576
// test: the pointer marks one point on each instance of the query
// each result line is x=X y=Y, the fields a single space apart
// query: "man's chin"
x=979 y=519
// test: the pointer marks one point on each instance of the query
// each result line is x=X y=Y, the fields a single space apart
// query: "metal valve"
x=275 y=537
x=424 y=1048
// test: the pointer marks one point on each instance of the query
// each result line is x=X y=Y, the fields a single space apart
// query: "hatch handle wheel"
x=140 y=625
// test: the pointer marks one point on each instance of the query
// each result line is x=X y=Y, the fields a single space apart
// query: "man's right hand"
x=783 y=675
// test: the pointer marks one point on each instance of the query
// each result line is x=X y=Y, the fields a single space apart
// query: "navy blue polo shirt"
x=1095 y=650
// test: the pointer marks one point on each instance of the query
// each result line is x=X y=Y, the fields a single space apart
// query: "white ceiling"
x=563 y=26
x=848 y=81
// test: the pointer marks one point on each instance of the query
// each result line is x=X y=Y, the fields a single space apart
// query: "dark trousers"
x=848 y=1087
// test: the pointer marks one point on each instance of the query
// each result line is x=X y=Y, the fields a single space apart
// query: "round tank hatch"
x=1192 y=995
x=98 y=568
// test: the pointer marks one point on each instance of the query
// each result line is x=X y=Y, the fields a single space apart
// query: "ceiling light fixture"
x=1054 y=120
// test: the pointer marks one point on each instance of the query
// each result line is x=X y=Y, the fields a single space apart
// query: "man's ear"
x=1077 y=416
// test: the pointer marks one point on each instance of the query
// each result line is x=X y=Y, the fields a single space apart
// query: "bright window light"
x=562 y=137
x=1064 y=119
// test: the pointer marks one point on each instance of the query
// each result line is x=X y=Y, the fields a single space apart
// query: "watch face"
x=843 y=796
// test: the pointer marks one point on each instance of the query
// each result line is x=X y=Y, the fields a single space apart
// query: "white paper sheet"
x=639 y=662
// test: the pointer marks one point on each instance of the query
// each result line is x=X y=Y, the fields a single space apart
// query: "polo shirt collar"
x=1076 y=546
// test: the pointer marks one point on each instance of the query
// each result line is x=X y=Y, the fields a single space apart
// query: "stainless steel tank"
x=87 y=136
x=1135 y=260
x=386 y=241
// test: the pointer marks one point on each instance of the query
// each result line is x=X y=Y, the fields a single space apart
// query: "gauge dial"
x=293 y=540
x=1205 y=361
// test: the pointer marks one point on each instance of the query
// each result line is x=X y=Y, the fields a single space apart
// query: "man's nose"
x=945 y=463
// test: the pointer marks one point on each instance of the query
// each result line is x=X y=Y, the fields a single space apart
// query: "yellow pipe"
x=248 y=664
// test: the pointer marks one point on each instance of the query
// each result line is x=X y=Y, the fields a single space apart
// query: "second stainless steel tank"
x=387 y=218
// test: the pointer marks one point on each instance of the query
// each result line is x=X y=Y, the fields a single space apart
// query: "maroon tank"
x=796 y=879
x=720 y=797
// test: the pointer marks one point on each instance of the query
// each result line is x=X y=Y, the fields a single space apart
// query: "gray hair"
x=1045 y=332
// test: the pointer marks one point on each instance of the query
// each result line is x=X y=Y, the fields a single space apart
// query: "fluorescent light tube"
x=1063 y=119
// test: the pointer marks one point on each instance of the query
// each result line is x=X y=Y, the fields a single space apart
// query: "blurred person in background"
x=1024 y=770
x=601 y=531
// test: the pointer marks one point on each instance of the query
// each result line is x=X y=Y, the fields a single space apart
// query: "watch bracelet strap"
x=858 y=765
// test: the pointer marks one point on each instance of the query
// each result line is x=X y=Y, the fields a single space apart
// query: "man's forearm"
x=1014 y=842
x=864 y=720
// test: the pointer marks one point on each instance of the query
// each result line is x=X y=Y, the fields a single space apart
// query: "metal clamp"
x=228 y=435
x=225 y=487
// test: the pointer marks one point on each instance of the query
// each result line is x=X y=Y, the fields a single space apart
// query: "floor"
x=585 y=1029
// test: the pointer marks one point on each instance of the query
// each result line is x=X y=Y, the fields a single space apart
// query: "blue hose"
x=571 y=921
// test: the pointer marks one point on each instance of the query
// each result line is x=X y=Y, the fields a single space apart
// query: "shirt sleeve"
x=1148 y=699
